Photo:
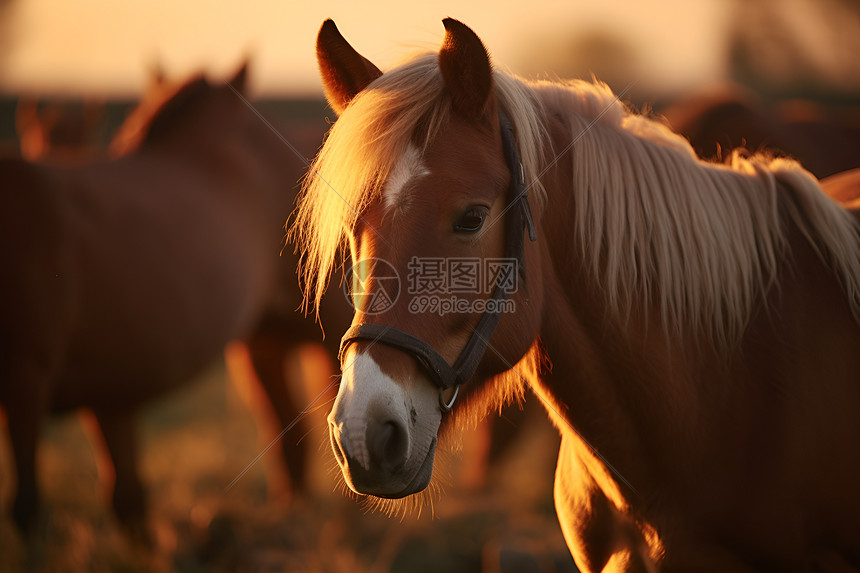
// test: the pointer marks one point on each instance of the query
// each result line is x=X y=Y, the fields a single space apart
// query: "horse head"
x=435 y=225
x=167 y=105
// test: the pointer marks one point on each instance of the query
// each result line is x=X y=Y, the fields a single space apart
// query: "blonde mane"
x=654 y=221
x=703 y=240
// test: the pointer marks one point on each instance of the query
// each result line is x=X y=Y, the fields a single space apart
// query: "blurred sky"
x=106 y=47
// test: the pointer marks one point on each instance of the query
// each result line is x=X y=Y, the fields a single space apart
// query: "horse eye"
x=471 y=221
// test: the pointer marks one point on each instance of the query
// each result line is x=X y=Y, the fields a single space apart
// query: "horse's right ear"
x=466 y=69
x=344 y=71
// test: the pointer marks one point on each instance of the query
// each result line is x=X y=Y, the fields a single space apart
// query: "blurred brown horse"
x=844 y=188
x=261 y=356
x=824 y=141
x=58 y=131
x=125 y=278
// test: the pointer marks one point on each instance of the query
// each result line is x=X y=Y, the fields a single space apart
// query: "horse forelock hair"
x=701 y=240
x=407 y=105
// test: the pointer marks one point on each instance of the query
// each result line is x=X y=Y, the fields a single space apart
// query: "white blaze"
x=364 y=384
x=407 y=168
x=367 y=393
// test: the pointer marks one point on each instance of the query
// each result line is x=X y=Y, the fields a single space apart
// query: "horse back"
x=844 y=188
x=172 y=260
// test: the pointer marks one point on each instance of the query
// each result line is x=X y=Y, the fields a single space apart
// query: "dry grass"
x=198 y=439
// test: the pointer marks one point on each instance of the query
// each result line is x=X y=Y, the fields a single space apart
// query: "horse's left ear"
x=240 y=78
x=466 y=69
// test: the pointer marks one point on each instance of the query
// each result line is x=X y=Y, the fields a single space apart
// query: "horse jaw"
x=383 y=435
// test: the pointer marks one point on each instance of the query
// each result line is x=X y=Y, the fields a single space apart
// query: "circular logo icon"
x=372 y=286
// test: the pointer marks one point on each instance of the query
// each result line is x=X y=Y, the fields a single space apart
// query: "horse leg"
x=24 y=393
x=600 y=536
x=25 y=399
x=268 y=349
x=506 y=428
x=487 y=445
x=129 y=497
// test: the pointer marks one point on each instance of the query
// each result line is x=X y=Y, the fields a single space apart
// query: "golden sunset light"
x=556 y=286
x=108 y=47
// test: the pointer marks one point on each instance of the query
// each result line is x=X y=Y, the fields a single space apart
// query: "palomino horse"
x=124 y=278
x=691 y=327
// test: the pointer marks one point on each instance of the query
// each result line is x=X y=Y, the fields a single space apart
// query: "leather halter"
x=440 y=372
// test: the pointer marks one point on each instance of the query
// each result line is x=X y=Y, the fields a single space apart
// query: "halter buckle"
x=447 y=407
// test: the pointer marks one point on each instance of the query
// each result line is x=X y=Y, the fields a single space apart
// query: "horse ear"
x=466 y=69
x=344 y=71
x=240 y=79
x=156 y=77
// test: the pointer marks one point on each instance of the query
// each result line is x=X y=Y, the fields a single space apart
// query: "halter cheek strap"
x=435 y=366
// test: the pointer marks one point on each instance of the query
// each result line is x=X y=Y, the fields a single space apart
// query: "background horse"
x=691 y=327
x=825 y=140
x=844 y=188
x=127 y=277
x=261 y=356
x=58 y=132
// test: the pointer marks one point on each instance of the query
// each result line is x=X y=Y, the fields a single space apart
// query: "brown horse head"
x=166 y=106
x=431 y=196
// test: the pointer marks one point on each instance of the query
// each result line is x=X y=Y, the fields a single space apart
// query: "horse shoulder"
x=32 y=214
x=35 y=308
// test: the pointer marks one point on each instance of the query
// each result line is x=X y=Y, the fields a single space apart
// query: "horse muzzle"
x=387 y=475
x=383 y=432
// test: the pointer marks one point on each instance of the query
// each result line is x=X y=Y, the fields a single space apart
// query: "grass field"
x=198 y=439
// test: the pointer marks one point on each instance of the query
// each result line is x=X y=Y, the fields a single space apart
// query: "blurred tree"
x=799 y=47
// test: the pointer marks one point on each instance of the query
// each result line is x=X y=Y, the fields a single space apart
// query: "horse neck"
x=653 y=230
x=238 y=150
x=204 y=137
x=632 y=387
x=612 y=371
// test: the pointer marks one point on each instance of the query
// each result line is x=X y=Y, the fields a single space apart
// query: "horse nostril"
x=388 y=444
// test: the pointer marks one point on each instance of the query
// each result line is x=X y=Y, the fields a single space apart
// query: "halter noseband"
x=444 y=375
